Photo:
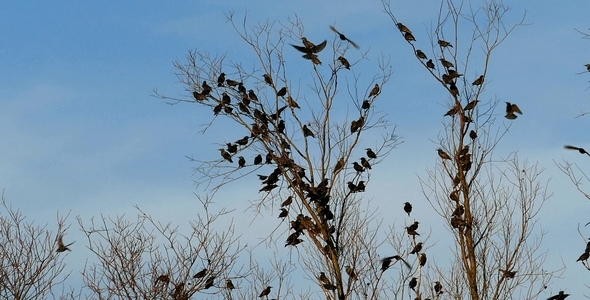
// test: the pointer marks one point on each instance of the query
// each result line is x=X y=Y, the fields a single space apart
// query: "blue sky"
x=82 y=132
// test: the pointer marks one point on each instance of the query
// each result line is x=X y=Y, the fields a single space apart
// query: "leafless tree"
x=489 y=205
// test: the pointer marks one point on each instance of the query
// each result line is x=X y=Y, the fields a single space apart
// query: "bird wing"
x=353 y=43
x=318 y=48
x=334 y=29
x=516 y=109
x=300 y=48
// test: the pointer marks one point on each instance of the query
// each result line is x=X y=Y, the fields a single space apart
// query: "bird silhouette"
x=322 y=278
x=408 y=208
x=283 y=213
x=221 y=79
x=282 y=92
x=209 y=282
x=258 y=159
x=351 y=273
x=200 y=274
x=374 y=91
x=358 y=168
x=241 y=162
x=438 y=288
x=447 y=64
x=265 y=292
x=60 y=245
x=387 y=261
x=423 y=259
x=560 y=296
x=344 y=62
x=584 y=256
x=199 y=96
x=163 y=278
x=225 y=155
x=413 y=283
x=430 y=64
x=409 y=37
x=511 y=109
x=365 y=163
x=421 y=54
x=339 y=165
x=508 y=273
x=229 y=284
x=343 y=37
x=581 y=150
x=444 y=43
x=243 y=141
x=287 y=201
x=417 y=248
x=307 y=132
x=443 y=154
x=471 y=105
x=370 y=153
x=309 y=47
x=478 y=81
x=403 y=28
x=206 y=88
x=232 y=83
x=366 y=104
x=268 y=79
x=473 y=135
x=291 y=102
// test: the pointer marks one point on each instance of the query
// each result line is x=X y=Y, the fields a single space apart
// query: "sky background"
x=83 y=134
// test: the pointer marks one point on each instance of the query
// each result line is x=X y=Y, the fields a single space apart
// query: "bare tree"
x=489 y=205
x=32 y=263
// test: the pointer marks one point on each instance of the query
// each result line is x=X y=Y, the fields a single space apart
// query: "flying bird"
x=386 y=262
x=583 y=257
x=343 y=37
x=309 y=47
x=560 y=296
x=478 y=81
x=581 y=150
x=60 y=244
x=511 y=109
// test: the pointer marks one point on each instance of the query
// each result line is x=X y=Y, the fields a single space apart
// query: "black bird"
x=365 y=163
x=453 y=89
x=370 y=153
x=423 y=259
x=581 y=150
x=443 y=154
x=232 y=83
x=242 y=89
x=430 y=64
x=309 y=47
x=366 y=104
x=322 y=278
x=209 y=282
x=241 y=162
x=587 y=67
x=374 y=91
x=411 y=231
x=252 y=95
x=225 y=99
x=258 y=159
x=344 y=38
x=357 y=124
x=329 y=286
x=200 y=274
x=408 y=208
x=508 y=274
x=453 y=111
x=459 y=211
x=283 y=213
x=583 y=257
x=438 y=288
x=360 y=187
x=60 y=245
x=232 y=148
x=421 y=54
x=560 y=296
x=307 y=132
x=265 y=292
x=414 y=226
x=409 y=37
x=229 y=284
x=199 y=96
x=402 y=28
x=478 y=81
x=417 y=249
x=413 y=283
x=344 y=62
x=473 y=135
x=163 y=278
x=471 y=105
x=511 y=109
x=243 y=141
x=221 y=79
x=386 y=262
x=358 y=167
x=444 y=43
x=268 y=79
x=206 y=88
x=226 y=155
x=282 y=92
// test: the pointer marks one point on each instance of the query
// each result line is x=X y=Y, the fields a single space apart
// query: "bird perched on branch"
x=511 y=109
x=443 y=154
x=344 y=62
x=403 y=28
x=221 y=79
x=229 y=284
x=370 y=153
x=438 y=288
x=447 y=64
x=421 y=54
x=409 y=37
x=374 y=91
x=478 y=81
x=417 y=248
x=225 y=155
x=309 y=47
x=408 y=208
x=587 y=67
x=351 y=273
x=344 y=38
x=444 y=43
x=200 y=274
x=581 y=150
x=265 y=292
x=471 y=105
x=60 y=244
x=508 y=273
x=430 y=64
x=307 y=132
x=413 y=283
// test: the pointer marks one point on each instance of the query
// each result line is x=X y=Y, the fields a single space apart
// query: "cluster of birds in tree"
x=449 y=78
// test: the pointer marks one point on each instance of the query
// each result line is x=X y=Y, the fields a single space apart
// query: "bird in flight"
x=581 y=150
x=343 y=37
x=60 y=244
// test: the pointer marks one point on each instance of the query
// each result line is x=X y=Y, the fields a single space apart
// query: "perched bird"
x=443 y=154
x=412 y=231
x=307 y=132
x=309 y=47
x=60 y=245
x=330 y=287
x=243 y=141
x=459 y=211
x=291 y=102
x=444 y=43
x=478 y=81
x=252 y=95
x=314 y=58
x=339 y=165
x=473 y=135
x=163 y=278
x=417 y=248
x=402 y=28
x=231 y=148
x=322 y=278
x=200 y=274
x=358 y=167
x=344 y=62
x=414 y=226
x=447 y=64
x=374 y=91
x=408 y=208
x=258 y=159
x=344 y=38
x=229 y=284
x=287 y=201
x=370 y=153
x=265 y=292
x=226 y=155
x=511 y=109
x=221 y=79
x=453 y=74
x=282 y=92
x=471 y=105
x=438 y=288
x=268 y=79
x=508 y=273
x=242 y=89
x=199 y=96
x=453 y=89
x=283 y=213
x=366 y=104
x=581 y=150
x=409 y=37
x=560 y=296
x=587 y=67
x=225 y=99
x=413 y=283
x=365 y=163
x=360 y=187
x=232 y=83
x=453 y=111
x=206 y=88
x=421 y=54
x=351 y=273
x=430 y=64
x=209 y=282
x=357 y=124
x=241 y=162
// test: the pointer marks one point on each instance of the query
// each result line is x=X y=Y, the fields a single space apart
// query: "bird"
x=268 y=79
x=344 y=62
x=453 y=89
x=453 y=111
x=508 y=273
x=438 y=288
x=339 y=165
x=357 y=124
x=283 y=213
x=258 y=159
x=322 y=278
x=241 y=162
x=447 y=64
x=581 y=150
x=421 y=54
x=584 y=256
x=243 y=141
x=560 y=296
x=409 y=37
x=459 y=211
x=200 y=274
x=209 y=282
x=413 y=283
x=403 y=28
x=291 y=102
x=206 y=88
x=414 y=226
x=163 y=278
x=282 y=92
x=366 y=104
x=443 y=154
x=370 y=153
x=478 y=81
x=307 y=132
x=471 y=105
x=226 y=155
x=343 y=37
x=309 y=47
x=231 y=148
x=411 y=231
x=220 y=79
x=232 y=83
x=252 y=95
x=229 y=284
x=408 y=208
x=473 y=135
x=314 y=58
x=587 y=67
x=365 y=163
x=430 y=64
x=417 y=248
x=360 y=187
x=287 y=201
x=351 y=273
x=511 y=109
x=225 y=99
x=386 y=262
x=374 y=91
x=330 y=287
x=265 y=292
x=358 y=167
x=444 y=43
x=199 y=96
x=60 y=245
